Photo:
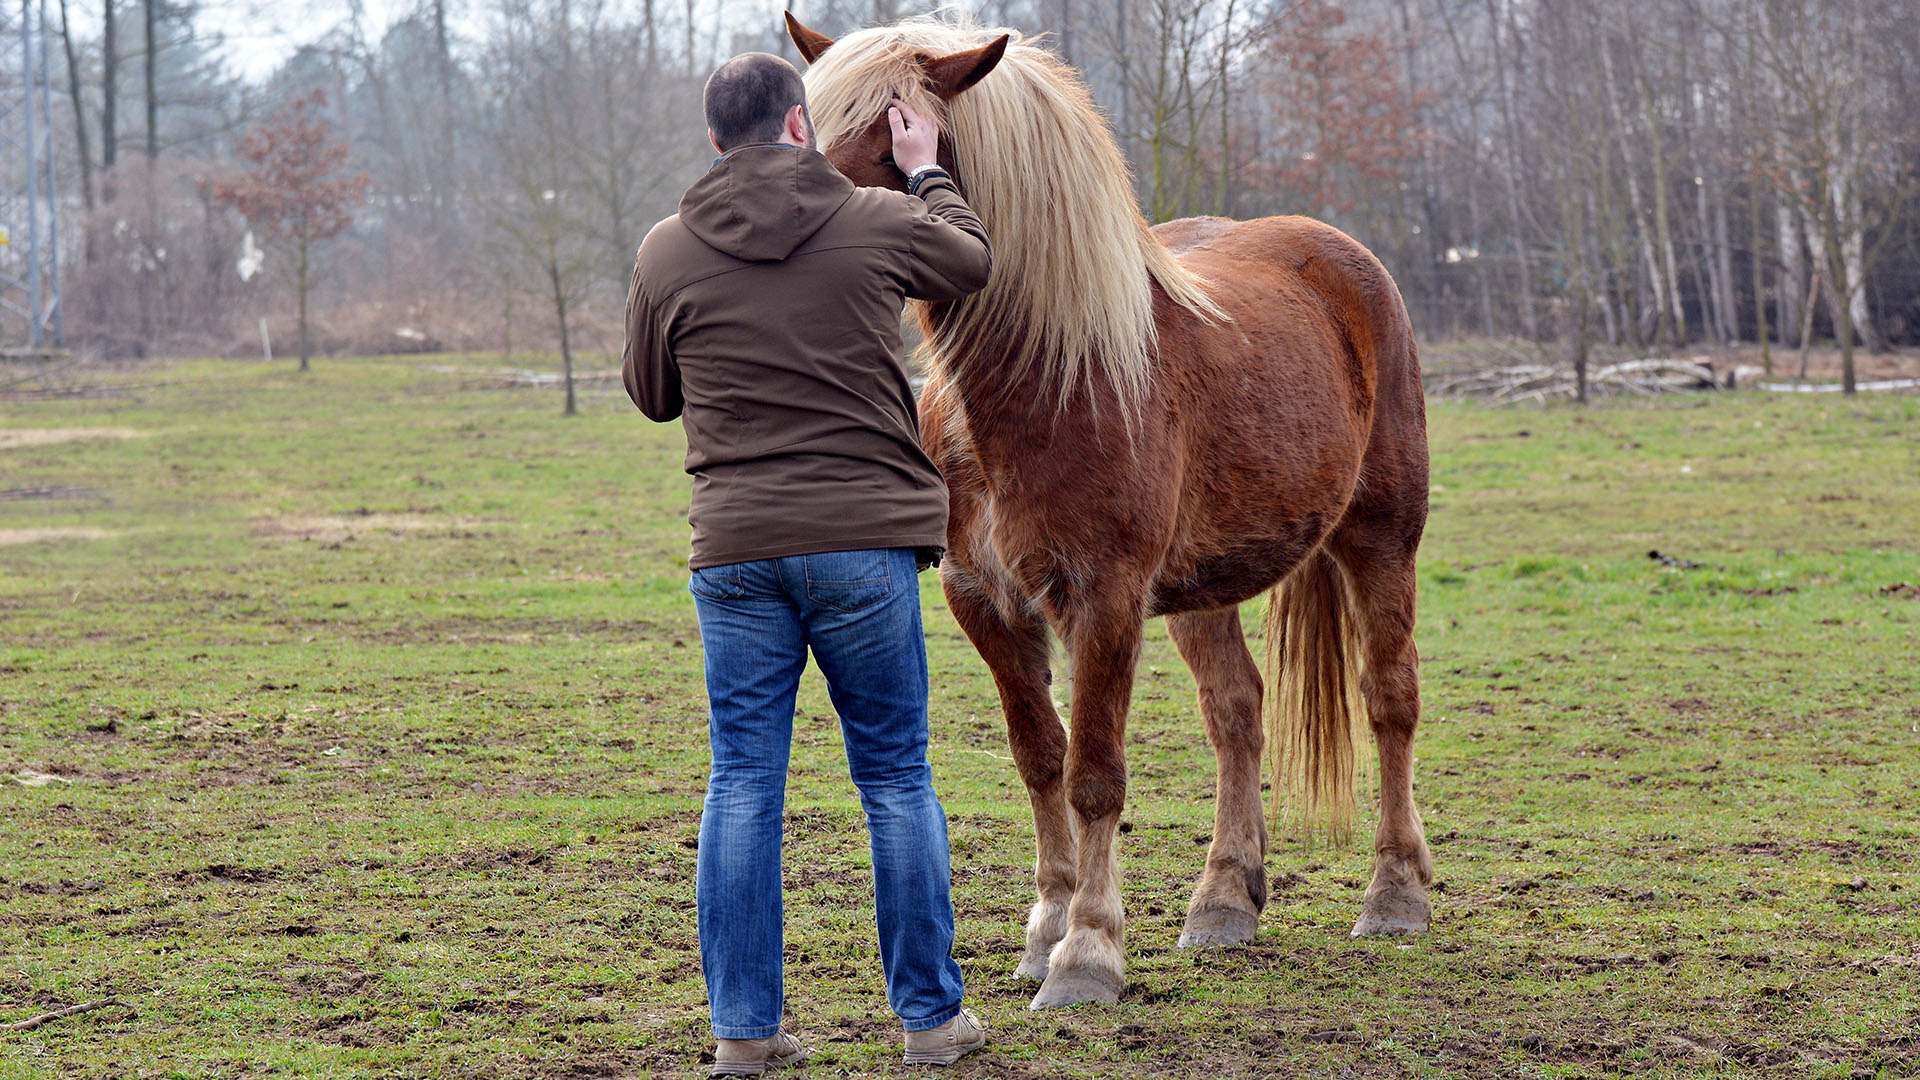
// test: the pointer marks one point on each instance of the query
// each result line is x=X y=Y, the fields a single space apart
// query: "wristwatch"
x=919 y=176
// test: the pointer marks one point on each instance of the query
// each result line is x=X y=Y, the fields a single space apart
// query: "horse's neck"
x=1017 y=422
x=997 y=404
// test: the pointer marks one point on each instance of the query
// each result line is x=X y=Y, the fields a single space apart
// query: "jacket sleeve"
x=949 y=256
x=649 y=369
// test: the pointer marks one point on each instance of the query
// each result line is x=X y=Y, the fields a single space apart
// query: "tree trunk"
x=153 y=102
x=1842 y=315
x=1723 y=261
x=1634 y=200
x=301 y=264
x=1511 y=145
x=566 y=346
x=1823 y=248
x=1663 y=234
x=1616 y=283
x=1793 y=269
x=1483 y=285
x=1582 y=294
x=1429 y=258
x=449 y=167
x=79 y=111
x=1695 y=97
x=1853 y=245
x=109 y=73
x=653 y=34
x=1757 y=231
x=1806 y=322
x=1600 y=296
x=1224 y=74
x=1581 y=342
x=1708 y=274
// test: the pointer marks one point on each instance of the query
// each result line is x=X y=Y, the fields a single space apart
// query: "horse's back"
x=1275 y=274
x=1271 y=252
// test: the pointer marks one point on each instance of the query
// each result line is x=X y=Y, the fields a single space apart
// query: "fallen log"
x=1834 y=388
x=60 y=1014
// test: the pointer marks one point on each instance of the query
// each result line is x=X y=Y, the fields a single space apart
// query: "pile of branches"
x=1541 y=382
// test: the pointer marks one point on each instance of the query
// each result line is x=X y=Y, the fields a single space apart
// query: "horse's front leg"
x=1089 y=963
x=1016 y=652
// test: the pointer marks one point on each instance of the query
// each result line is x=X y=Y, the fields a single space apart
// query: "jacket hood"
x=759 y=203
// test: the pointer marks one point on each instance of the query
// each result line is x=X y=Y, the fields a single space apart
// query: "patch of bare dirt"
x=248 y=875
x=15 y=438
x=511 y=630
x=338 y=528
x=35 y=536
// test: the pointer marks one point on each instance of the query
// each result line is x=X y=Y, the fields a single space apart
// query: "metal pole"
x=53 y=188
x=33 y=177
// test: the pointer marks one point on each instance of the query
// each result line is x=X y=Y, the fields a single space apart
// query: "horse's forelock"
x=854 y=81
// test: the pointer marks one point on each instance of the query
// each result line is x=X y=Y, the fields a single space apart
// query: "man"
x=766 y=314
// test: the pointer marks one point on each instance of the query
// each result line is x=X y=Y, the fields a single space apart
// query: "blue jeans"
x=859 y=611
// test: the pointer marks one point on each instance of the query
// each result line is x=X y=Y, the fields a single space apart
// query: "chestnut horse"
x=1136 y=422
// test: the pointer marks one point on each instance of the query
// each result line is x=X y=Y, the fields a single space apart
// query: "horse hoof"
x=1029 y=968
x=1385 y=916
x=1075 y=986
x=1219 y=926
x=1371 y=926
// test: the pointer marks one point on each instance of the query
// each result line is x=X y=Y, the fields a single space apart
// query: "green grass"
x=378 y=716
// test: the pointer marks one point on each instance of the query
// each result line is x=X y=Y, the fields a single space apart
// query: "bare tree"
x=1841 y=138
x=534 y=119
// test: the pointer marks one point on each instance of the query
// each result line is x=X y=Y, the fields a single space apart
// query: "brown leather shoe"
x=947 y=1043
x=751 y=1057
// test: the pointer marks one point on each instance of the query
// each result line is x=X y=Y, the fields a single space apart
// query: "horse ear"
x=810 y=43
x=952 y=74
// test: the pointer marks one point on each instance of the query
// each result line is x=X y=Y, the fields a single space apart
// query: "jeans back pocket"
x=849 y=581
x=717 y=583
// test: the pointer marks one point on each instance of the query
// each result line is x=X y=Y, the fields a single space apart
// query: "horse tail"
x=1313 y=698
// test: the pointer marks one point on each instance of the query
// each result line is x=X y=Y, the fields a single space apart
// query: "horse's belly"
x=1249 y=568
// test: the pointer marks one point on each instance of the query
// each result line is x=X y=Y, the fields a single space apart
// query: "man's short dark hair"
x=748 y=97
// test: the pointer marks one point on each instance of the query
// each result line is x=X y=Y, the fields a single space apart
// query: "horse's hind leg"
x=1233 y=889
x=1017 y=654
x=1380 y=572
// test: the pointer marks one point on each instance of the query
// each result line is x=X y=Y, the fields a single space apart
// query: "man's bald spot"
x=748 y=97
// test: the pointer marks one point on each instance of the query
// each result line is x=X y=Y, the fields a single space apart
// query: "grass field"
x=352 y=725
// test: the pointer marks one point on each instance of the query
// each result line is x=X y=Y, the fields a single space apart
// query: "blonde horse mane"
x=1074 y=264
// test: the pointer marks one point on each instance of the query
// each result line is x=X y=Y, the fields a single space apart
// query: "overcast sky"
x=261 y=34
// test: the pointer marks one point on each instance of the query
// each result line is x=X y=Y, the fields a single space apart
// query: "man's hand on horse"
x=916 y=139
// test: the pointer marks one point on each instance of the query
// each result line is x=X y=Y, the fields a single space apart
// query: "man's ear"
x=810 y=44
x=713 y=142
x=949 y=75
x=796 y=125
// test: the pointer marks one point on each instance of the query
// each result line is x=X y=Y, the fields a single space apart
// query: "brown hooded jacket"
x=766 y=314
